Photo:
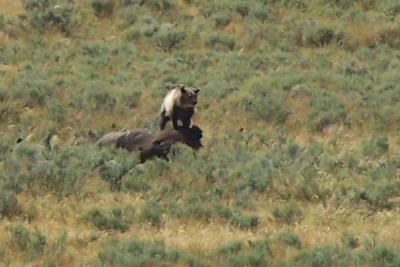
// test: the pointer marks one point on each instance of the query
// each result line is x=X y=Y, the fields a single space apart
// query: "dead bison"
x=158 y=144
x=163 y=141
x=152 y=144
x=135 y=139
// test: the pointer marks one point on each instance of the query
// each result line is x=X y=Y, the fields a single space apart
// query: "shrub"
x=231 y=247
x=218 y=89
x=290 y=238
x=260 y=13
x=102 y=7
x=350 y=240
x=8 y=203
x=222 y=19
x=146 y=26
x=288 y=213
x=168 y=37
x=326 y=110
x=135 y=182
x=151 y=212
x=1 y=21
x=315 y=34
x=265 y=103
x=65 y=173
x=33 y=244
x=245 y=221
x=383 y=255
x=100 y=99
x=221 y=41
x=160 y=5
x=391 y=37
x=62 y=173
x=377 y=193
x=114 y=219
x=129 y=16
x=3 y=93
x=143 y=253
x=44 y=14
x=322 y=256
x=112 y=171
x=32 y=91
x=375 y=147
x=235 y=253
x=56 y=112
x=242 y=7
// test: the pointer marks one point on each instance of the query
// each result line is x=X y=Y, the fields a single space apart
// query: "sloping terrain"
x=299 y=105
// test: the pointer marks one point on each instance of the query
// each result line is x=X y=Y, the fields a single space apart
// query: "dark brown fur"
x=135 y=139
x=152 y=144
x=191 y=137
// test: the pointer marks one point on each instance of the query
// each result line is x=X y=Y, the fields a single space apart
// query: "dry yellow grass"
x=11 y=7
x=318 y=225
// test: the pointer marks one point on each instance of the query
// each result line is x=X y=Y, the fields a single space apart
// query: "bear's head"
x=188 y=96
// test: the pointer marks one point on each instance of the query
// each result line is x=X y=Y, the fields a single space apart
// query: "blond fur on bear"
x=178 y=104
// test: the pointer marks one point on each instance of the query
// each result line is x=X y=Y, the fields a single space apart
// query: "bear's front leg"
x=186 y=122
x=163 y=121
x=175 y=121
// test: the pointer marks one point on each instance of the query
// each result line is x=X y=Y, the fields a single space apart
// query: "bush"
x=114 y=219
x=32 y=91
x=235 y=253
x=63 y=173
x=151 y=212
x=1 y=21
x=391 y=37
x=222 y=19
x=288 y=213
x=102 y=7
x=33 y=244
x=143 y=253
x=245 y=221
x=160 y=5
x=135 y=182
x=221 y=41
x=242 y=8
x=146 y=26
x=228 y=248
x=265 y=103
x=290 y=238
x=384 y=256
x=169 y=37
x=350 y=240
x=377 y=193
x=8 y=203
x=315 y=34
x=45 y=14
x=322 y=256
x=375 y=147
x=326 y=110
x=112 y=167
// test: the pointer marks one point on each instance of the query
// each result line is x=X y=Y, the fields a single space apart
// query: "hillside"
x=299 y=105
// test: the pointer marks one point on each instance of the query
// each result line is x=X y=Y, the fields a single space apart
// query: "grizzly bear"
x=178 y=104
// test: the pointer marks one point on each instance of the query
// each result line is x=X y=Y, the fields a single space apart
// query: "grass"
x=298 y=105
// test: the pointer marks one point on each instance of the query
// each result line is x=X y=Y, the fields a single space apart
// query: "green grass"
x=299 y=105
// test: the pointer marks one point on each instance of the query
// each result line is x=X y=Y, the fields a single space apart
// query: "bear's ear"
x=196 y=91
x=182 y=87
